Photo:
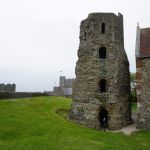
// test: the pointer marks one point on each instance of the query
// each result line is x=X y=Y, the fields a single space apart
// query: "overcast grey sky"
x=38 y=38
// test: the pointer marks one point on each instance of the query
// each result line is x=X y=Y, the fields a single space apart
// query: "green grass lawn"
x=134 y=106
x=38 y=124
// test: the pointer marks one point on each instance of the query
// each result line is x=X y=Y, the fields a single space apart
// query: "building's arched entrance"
x=103 y=117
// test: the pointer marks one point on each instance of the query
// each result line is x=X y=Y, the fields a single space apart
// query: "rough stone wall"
x=7 y=87
x=90 y=69
x=143 y=92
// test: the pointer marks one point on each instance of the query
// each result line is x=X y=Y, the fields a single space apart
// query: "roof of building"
x=145 y=42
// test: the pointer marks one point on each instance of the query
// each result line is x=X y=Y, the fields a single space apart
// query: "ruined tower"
x=143 y=77
x=102 y=85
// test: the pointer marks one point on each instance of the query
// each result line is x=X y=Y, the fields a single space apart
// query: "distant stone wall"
x=7 y=87
x=58 y=91
x=8 y=95
x=143 y=92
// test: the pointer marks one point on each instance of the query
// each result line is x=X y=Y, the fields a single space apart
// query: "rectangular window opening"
x=103 y=27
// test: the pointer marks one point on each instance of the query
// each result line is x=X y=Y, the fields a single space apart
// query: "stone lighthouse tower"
x=102 y=85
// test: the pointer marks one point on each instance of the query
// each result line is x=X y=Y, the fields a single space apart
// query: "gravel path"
x=130 y=128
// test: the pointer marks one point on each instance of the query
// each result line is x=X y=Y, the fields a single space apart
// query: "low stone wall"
x=8 y=95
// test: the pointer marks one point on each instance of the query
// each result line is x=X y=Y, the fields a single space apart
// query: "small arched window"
x=102 y=85
x=102 y=53
x=103 y=28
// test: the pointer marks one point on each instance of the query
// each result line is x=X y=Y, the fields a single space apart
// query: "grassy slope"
x=33 y=123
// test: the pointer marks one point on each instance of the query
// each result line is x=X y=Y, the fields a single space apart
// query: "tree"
x=133 y=86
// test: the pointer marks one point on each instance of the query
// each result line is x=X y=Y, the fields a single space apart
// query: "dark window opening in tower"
x=84 y=35
x=103 y=28
x=102 y=53
x=102 y=85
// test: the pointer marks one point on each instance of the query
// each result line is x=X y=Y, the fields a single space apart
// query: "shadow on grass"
x=62 y=112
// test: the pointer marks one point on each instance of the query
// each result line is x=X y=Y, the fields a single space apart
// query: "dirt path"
x=128 y=129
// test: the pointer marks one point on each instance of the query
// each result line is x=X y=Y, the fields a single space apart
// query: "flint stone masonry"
x=143 y=93
x=101 y=30
x=143 y=77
